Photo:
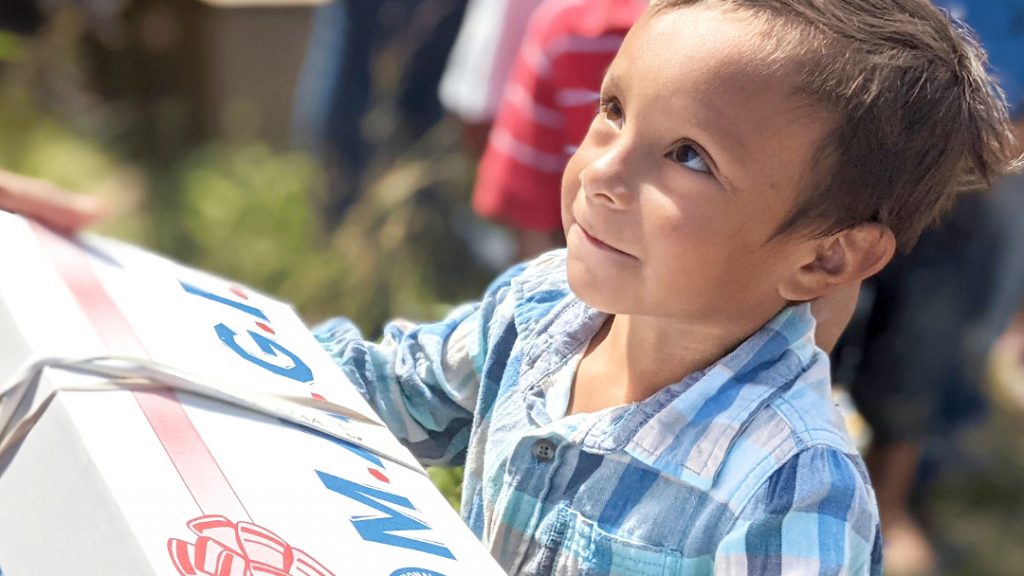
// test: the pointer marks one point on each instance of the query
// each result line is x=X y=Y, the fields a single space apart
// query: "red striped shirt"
x=547 y=107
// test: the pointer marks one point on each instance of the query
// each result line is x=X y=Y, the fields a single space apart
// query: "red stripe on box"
x=188 y=452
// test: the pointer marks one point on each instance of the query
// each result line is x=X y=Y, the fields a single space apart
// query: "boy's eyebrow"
x=609 y=77
x=724 y=133
x=731 y=139
x=727 y=142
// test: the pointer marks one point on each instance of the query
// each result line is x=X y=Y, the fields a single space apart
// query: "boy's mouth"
x=599 y=244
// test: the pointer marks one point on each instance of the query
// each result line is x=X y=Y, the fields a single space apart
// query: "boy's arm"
x=423 y=380
x=815 y=515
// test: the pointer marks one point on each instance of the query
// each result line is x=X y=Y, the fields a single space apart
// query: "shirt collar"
x=685 y=430
x=690 y=430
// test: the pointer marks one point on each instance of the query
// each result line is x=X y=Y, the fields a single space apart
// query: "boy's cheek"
x=568 y=193
x=571 y=187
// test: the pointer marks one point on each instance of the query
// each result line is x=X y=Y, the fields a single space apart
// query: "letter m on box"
x=381 y=529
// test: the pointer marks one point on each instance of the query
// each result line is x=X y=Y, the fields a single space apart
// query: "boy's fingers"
x=47 y=203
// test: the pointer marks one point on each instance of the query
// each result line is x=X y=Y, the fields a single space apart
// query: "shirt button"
x=543 y=449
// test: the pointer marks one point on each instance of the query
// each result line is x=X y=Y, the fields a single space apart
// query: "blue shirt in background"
x=999 y=25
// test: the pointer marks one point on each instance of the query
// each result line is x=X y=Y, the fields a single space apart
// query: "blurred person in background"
x=336 y=86
x=20 y=16
x=964 y=279
x=480 y=63
x=28 y=16
x=916 y=355
x=546 y=108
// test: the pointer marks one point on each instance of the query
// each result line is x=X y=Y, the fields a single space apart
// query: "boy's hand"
x=47 y=203
x=833 y=313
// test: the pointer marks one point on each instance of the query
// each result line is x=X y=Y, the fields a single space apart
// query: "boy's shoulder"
x=765 y=407
x=798 y=430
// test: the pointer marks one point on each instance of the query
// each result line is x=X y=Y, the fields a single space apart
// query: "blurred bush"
x=43 y=145
x=243 y=212
x=246 y=211
x=449 y=482
x=11 y=46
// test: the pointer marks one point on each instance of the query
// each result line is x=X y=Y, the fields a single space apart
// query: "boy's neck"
x=631 y=358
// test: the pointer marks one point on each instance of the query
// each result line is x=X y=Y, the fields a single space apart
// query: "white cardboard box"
x=135 y=480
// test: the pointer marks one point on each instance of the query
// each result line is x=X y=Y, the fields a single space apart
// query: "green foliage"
x=449 y=482
x=247 y=213
x=402 y=254
x=38 y=144
x=243 y=211
x=12 y=47
x=35 y=143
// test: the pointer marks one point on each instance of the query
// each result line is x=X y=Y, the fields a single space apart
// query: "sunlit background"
x=188 y=117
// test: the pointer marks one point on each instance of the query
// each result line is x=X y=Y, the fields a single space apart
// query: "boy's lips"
x=598 y=243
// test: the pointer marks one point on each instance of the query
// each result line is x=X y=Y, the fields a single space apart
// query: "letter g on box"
x=298 y=370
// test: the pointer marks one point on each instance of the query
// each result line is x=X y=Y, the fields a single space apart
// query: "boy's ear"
x=840 y=259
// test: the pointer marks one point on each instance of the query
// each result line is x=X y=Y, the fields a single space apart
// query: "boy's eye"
x=689 y=156
x=612 y=111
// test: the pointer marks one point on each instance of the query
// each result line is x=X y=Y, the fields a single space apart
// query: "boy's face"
x=694 y=160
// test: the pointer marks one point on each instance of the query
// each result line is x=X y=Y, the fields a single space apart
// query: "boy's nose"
x=605 y=178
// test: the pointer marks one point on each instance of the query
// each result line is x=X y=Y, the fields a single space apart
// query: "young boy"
x=651 y=399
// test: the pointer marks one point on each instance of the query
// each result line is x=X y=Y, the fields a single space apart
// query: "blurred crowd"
x=521 y=81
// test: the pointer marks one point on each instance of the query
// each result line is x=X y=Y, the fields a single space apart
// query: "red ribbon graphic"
x=224 y=548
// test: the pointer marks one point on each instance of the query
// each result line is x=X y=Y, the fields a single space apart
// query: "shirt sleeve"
x=422 y=380
x=815 y=515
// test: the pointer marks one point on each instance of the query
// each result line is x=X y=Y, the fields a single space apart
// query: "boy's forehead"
x=725 y=43
x=700 y=71
x=705 y=49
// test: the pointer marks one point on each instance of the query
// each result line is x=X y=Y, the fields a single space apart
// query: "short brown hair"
x=919 y=117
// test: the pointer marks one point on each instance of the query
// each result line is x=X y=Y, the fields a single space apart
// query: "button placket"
x=543 y=450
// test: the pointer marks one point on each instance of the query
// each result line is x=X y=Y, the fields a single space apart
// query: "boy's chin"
x=597 y=293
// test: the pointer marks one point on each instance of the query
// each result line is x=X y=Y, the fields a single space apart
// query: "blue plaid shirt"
x=742 y=468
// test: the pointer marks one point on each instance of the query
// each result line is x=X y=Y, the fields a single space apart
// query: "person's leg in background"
x=338 y=83
x=320 y=74
x=333 y=97
x=1003 y=322
x=20 y=16
x=919 y=373
x=418 y=103
x=345 y=146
